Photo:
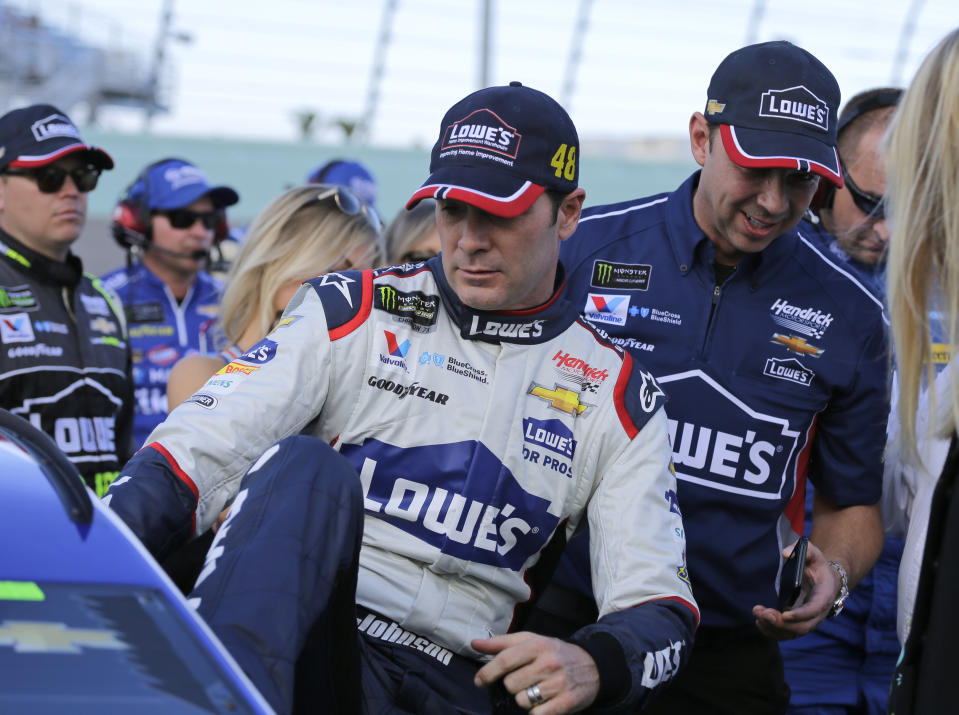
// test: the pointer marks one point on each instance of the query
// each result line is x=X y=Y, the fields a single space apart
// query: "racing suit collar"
x=58 y=273
x=536 y=325
x=691 y=246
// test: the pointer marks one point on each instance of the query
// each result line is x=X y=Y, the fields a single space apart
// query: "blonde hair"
x=923 y=189
x=408 y=228
x=293 y=237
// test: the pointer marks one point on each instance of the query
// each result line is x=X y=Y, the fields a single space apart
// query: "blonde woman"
x=923 y=455
x=306 y=231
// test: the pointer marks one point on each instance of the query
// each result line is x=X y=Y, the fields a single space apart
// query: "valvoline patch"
x=261 y=353
x=458 y=497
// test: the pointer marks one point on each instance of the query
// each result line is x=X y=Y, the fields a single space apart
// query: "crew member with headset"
x=168 y=220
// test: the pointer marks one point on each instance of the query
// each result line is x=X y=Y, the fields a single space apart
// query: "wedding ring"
x=535 y=695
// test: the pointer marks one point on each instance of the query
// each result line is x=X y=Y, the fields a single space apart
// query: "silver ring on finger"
x=535 y=695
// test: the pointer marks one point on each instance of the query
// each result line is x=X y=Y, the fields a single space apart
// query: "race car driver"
x=64 y=357
x=477 y=422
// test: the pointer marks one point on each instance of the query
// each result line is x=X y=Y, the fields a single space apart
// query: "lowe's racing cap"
x=40 y=134
x=776 y=106
x=175 y=184
x=500 y=148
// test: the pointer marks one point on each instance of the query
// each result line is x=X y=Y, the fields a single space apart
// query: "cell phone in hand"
x=790 y=582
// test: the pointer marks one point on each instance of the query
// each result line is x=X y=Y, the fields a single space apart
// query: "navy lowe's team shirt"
x=777 y=375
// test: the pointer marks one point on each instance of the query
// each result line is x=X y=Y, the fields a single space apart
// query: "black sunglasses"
x=50 y=179
x=417 y=256
x=347 y=202
x=185 y=218
x=870 y=204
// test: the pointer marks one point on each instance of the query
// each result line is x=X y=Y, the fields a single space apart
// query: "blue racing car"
x=88 y=621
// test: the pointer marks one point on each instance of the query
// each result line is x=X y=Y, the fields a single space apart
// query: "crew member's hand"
x=820 y=588
x=563 y=675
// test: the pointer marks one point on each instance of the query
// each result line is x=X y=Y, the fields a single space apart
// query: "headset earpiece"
x=824 y=195
x=222 y=229
x=127 y=226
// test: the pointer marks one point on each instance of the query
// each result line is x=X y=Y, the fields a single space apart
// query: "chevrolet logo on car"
x=796 y=344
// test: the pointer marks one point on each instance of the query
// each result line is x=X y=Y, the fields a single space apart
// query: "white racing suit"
x=479 y=438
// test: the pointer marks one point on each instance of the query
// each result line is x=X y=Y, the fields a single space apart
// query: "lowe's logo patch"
x=790 y=370
x=261 y=353
x=56 y=125
x=732 y=449
x=466 y=518
x=796 y=104
x=482 y=129
x=549 y=434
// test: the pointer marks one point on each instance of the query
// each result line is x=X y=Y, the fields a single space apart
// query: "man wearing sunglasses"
x=850 y=221
x=477 y=422
x=64 y=356
x=168 y=221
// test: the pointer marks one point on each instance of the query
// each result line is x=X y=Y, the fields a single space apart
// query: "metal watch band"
x=843 y=589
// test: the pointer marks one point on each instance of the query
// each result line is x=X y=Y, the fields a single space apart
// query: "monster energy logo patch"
x=17 y=299
x=631 y=276
x=416 y=308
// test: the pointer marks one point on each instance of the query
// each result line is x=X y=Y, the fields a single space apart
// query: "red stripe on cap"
x=30 y=161
x=736 y=153
x=509 y=207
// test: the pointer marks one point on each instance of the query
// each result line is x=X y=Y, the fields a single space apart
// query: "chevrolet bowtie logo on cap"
x=714 y=107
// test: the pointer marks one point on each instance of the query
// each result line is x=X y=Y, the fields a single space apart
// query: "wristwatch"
x=843 y=589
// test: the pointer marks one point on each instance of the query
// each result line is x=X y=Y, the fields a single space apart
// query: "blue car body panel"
x=89 y=622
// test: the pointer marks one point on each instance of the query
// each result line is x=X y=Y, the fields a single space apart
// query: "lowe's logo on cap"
x=483 y=129
x=796 y=104
x=183 y=175
x=56 y=125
